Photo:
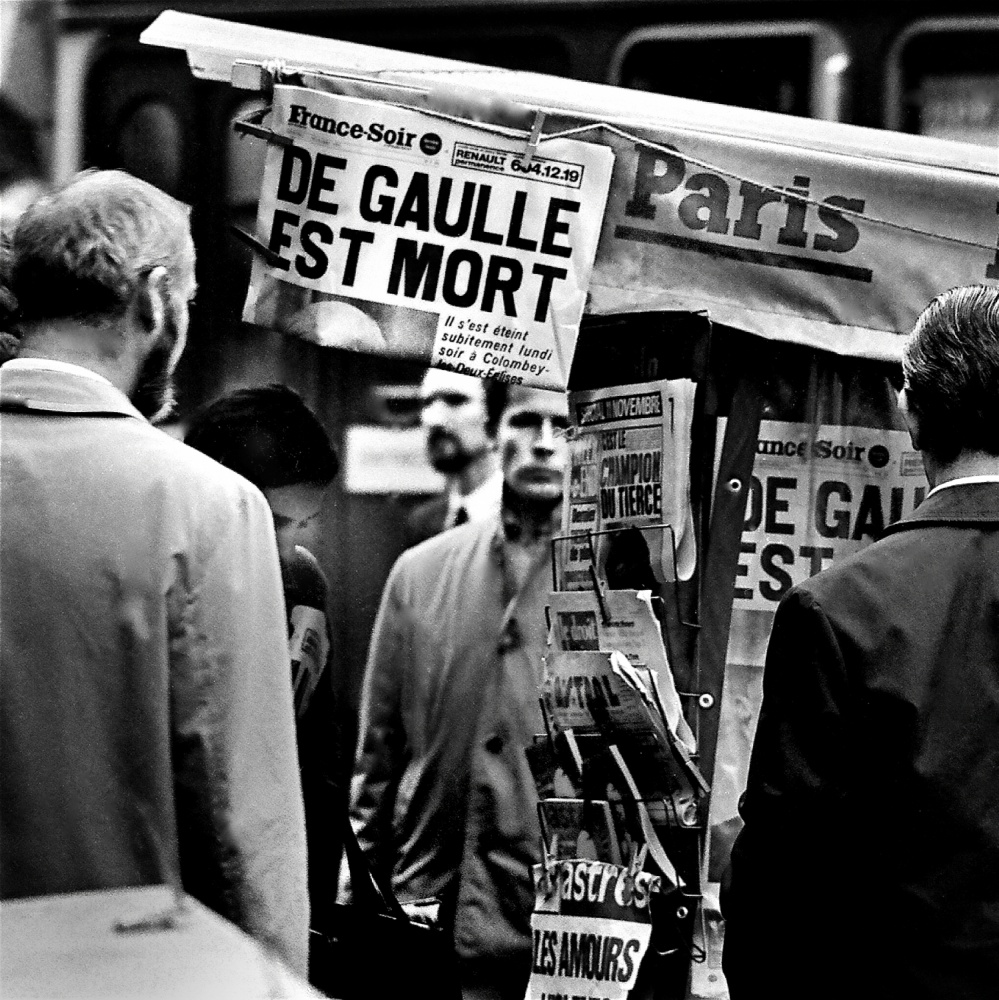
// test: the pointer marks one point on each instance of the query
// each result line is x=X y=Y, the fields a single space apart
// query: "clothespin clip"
x=547 y=722
x=250 y=125
x=636 y=862
x=596 y=582
x=548 y=861
x=534 y=138
x=574 y=752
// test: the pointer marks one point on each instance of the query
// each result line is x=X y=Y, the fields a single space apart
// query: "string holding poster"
x=392 y=231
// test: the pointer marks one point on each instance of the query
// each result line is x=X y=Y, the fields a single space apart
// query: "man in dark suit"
x=869 y=862
x=460 y=428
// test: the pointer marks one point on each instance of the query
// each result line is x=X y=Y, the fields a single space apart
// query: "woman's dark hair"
x=268 y=435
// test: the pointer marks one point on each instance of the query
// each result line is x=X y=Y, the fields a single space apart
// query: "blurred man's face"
x=532 y=443
x=453 y=414
x=296 y=509
x=154 y=391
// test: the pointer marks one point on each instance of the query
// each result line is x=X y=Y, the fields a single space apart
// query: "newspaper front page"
x=392 y=231
x=629 y=475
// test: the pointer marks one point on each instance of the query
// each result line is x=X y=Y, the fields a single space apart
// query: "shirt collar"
x=963 y=481
x=53 y=365
x=482 y=502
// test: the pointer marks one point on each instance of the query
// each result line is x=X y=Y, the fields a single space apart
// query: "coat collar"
x=42 y=390
x=964 y=504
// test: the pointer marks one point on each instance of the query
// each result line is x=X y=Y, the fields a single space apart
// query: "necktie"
x=460 y=516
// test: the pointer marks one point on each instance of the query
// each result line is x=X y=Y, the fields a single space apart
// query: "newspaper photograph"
x=388 y=230
x=579 y=828
x=629 y=475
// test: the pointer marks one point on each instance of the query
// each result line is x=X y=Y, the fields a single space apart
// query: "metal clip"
x=275 y=260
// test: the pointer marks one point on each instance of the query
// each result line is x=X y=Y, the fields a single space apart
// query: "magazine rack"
x=605 y=793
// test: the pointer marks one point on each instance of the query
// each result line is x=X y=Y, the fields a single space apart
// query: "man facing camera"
x=442 y=799
x=460 y=438
x=147 y=725
x=869 y=862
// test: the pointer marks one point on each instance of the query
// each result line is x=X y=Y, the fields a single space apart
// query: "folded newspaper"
x=623 y=620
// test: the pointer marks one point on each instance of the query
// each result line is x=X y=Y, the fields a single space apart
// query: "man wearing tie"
x=460 y=445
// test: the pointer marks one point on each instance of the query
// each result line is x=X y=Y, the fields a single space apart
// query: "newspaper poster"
x=629 y=472
x=818 y=493
x=392 y=231
x=631 y=628
x=590 y=930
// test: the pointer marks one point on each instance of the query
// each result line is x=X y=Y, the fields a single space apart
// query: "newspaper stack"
x=612 y=772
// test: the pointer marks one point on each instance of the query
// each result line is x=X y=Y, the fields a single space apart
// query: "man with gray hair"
x=869 y=862
x=147 y=725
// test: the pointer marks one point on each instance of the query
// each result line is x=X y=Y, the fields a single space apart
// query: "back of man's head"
x=268 y=435
x=951 y=369
x=80 y=252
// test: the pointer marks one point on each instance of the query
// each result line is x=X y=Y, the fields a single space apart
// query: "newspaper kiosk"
x=613 y=238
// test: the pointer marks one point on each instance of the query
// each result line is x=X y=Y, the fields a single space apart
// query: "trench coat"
x=442 y=798
x=869 y=862
x=147 y=727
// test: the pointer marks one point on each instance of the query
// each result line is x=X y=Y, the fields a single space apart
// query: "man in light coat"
x=869 y=863
x=442 y=798
x=147 y=727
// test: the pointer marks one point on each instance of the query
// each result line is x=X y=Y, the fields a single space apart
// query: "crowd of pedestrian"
x=166 y=698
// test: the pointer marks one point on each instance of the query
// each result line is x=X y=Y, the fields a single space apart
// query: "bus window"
x=149 y=144
x=943 y=80
x=244 y=161
x=794 y=68
x=533 y=54
x=138 y=116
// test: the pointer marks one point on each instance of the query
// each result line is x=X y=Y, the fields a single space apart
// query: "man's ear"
x=150 y=301
x=911 y=420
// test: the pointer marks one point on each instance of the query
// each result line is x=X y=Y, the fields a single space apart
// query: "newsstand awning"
x=810 y=232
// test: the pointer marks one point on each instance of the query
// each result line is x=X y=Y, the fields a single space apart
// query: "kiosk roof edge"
x=214 y=45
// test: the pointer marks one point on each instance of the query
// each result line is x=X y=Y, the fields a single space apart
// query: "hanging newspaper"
x=629 y=474
x=590 y=929
x=392 y=231
x=588 y=690
x=818 y=494
x=631 y=628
